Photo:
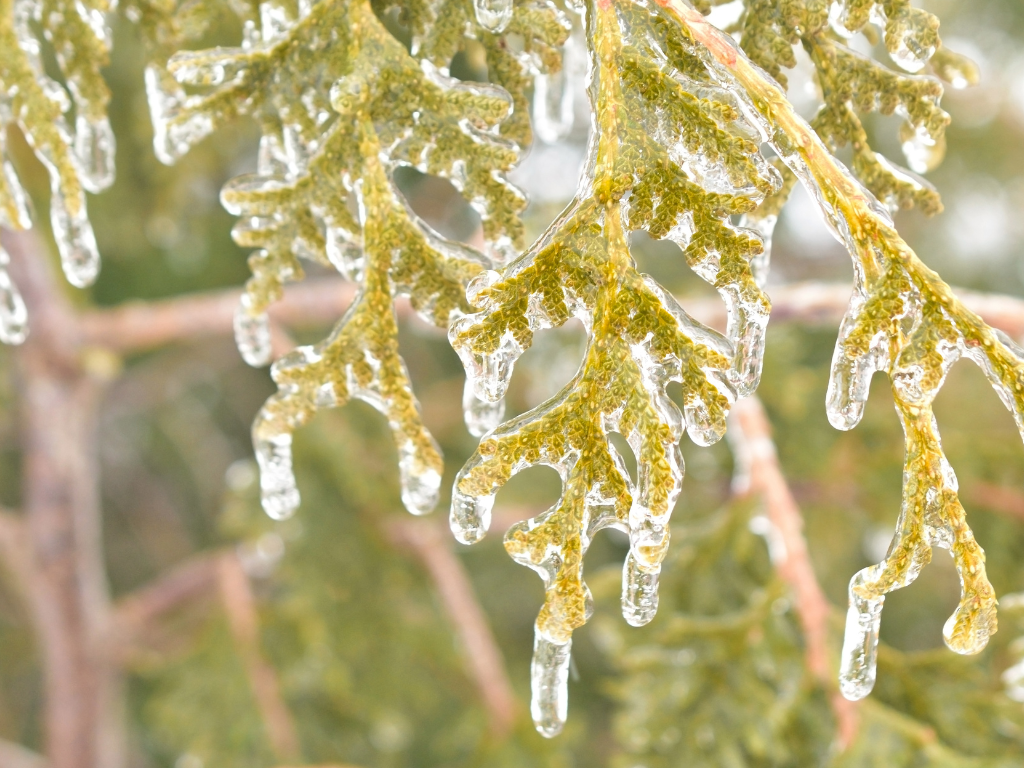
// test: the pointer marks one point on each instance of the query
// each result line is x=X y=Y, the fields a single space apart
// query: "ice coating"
x=493 y=15
x=904 y=320
x=549 y=681
x=13 y=315
x=76 y=161
x=702 y=167
x=252 y=334
x=639 y=592
x=554 y=94
x=481 y=416
x=94 y=151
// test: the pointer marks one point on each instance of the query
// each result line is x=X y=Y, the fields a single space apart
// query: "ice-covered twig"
x=759 y=473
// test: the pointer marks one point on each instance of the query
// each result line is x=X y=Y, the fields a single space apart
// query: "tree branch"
x=483 y=656
x=759 y=473
x=240 y=606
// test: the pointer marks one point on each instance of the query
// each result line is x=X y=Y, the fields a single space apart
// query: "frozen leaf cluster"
x=66 y=126
x=673 y=154
x=343 y=104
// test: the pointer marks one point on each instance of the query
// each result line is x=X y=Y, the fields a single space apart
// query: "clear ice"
x=549 y=681
x=493 y=15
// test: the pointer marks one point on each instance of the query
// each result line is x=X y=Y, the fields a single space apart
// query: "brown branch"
x=759 y=473
x=240 y=606
x=483 y=656
x=138 y=326
x=69 y=599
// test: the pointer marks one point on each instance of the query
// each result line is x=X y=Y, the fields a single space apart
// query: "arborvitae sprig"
x=673 y=155
x=853 y=85
x=343 y=103
x=78 y=160
x=905 y=321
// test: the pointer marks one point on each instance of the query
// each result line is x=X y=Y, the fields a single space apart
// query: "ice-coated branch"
x=904 y=320
x=759 y=473
x=672 y=154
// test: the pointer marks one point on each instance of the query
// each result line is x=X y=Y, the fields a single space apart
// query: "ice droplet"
x=420 y=484
x=172 y=134
x=277 y=481
x=493 y=15
x=252 y=334
x=481 y=415
x=94 y=151
x=639 y=592
x=470 y=517
x=923 y=152
x=76 y=242
x=13 y=315
x=860 y=646
x=908 y=53
x=549 y=681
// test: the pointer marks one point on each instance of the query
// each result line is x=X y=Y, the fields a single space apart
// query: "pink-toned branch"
x=759 y=473
x=137 y=326
x=483 y=657
x=240 y=606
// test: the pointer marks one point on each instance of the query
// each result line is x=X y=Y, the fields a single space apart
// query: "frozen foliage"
x=78 y=158
x=653 y=97
x=693 y=140
x=342 y=104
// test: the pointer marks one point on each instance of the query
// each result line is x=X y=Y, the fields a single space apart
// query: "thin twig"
x=240 y=606
x=483 y=656
x=761 y=474
x=137 y=326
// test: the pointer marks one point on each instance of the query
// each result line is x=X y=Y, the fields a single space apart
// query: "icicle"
x=13 y=315
x=94 y=150
x=481 y=415
x=470 y=516
x=639 y=592
x=76 y=242
x=420 y=483
x=172 y=137
x=280 y=495
x=554 y=95
x=860 y=645
x=252 y=334
x=549 y=681
x=493 y=15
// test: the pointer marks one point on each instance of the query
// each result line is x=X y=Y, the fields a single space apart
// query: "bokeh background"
x=368 y=663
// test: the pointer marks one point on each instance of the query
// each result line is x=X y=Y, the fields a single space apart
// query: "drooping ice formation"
x=701 y=165
x=76 y=161
x=343 y=105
